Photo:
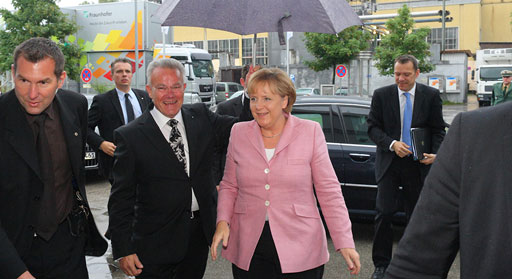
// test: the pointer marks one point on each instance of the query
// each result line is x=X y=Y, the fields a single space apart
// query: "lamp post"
x=443 y=30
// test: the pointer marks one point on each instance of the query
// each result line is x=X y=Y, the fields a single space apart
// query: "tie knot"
x=39 y=119
x=173 y=123
x=407 y=94
x=126 y=96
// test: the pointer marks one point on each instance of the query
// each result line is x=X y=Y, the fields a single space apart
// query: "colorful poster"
x=433 y=82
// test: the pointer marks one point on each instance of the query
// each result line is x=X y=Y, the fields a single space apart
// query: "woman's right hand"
x=221 y=233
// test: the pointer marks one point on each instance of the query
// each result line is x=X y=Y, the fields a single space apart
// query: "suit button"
x=267 y=170
x=36 y=198
x=267 y=203
x=267 y=187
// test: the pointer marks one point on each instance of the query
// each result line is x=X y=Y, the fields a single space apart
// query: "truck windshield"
x=202 y=68
x=492 y=73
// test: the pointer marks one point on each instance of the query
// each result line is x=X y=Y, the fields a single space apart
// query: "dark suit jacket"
x=20 y=180
x=106 y=114
x=233 y=107
x=465 y=204
x=149 y=206
x=384 y=121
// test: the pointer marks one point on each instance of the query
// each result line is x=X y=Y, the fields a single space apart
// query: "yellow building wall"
x=187 y=34
x=495 y=21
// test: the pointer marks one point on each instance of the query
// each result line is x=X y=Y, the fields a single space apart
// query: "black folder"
x=421 y=142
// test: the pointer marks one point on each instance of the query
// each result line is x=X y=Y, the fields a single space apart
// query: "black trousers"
x=403 y=172
x=192 y=266
x=265 y=263
x=63 y=256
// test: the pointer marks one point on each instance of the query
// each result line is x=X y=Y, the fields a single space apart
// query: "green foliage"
x=402 y=41
x=102 y=87
x=331 y=50
x=38 y=18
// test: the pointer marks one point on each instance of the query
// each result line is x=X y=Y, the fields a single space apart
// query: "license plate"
x=90 y=155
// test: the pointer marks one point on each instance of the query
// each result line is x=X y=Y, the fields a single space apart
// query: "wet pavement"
x=104 y=267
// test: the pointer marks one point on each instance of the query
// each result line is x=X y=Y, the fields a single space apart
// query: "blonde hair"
x=278 y=82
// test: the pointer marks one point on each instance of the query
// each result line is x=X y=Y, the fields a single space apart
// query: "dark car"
x=352 y=153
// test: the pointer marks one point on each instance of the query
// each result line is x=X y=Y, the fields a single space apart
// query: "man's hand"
x=26 y=275
x=429 y=158
x=401 y=149
x=221 y=234
x=108 y=148
x=131 y=265
x=352 y=259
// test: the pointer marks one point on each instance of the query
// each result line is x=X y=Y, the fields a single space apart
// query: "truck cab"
x=200 y=77
x=489 y=64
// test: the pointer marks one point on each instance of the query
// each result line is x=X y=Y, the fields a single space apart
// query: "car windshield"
x=492 y=73
x=202 y=68
x=303 y=91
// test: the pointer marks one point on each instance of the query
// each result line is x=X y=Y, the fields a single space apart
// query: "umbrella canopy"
x=256 y=16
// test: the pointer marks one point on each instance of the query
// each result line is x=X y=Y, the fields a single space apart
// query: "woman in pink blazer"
x=267 y=215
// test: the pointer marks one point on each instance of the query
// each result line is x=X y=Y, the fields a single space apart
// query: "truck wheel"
x=483 y=104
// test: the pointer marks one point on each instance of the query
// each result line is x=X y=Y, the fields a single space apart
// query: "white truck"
x=200 y=78
x=489 y=64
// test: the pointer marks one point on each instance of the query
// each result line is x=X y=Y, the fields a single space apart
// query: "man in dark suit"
x=395 y=109
x=233 y=107
x=162 y=206
x=113 y=109
x=465 y=205
x=46 y=227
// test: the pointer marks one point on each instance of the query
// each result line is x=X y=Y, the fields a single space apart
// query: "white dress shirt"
x=137 y=110
x=402 y=99
x=161 y=121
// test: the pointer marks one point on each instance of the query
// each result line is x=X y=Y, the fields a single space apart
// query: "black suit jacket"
x=20 y=180
x=231 y=107
x=106 y=114
x=149 y=206
x=465 y=204
x=384 y=124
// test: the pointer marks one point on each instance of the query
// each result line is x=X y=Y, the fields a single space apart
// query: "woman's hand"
x=352 y=259
x=221 y=233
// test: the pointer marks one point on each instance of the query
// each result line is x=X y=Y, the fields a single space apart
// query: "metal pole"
x=254 y=50
x=136 y=45
x=443 y=30
x=287 y=54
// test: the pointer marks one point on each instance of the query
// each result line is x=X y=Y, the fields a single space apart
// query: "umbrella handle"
x=280 y=28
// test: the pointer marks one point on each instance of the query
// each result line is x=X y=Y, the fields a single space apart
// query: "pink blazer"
x=253 y=187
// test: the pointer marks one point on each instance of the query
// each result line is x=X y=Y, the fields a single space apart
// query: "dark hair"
x=403 y=59
x=119 y=60
x=246 y=69
x=278 y=82
x=37 y=49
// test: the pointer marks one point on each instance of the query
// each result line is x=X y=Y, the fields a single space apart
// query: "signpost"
x=86 y=75
x=341 y=71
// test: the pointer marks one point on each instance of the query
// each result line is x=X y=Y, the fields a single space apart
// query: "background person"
x=43 y=231
x=395 y=109
x=162 y=206
x=501 y=90
x=112 y=110
x=268 y=219
x=465 y=205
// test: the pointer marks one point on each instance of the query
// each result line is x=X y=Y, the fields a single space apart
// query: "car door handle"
x=359 y=157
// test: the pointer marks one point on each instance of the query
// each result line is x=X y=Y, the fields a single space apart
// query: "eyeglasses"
x=163 y=88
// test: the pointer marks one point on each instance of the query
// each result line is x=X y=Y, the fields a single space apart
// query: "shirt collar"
x=161 y=120
x=120 y=93
x=412 y=91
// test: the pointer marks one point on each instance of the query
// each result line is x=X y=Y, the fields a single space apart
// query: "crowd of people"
x=249 y=178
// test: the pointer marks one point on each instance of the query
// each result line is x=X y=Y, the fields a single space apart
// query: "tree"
x=402 y=40
x=38 y=18
x=331 y=50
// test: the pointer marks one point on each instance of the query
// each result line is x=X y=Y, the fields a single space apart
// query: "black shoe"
x=379 y=272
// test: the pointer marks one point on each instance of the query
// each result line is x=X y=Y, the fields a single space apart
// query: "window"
x=322 y=114
x=197 y=44
x=355 y=124
x=224 y=46
x=221 y=87
x=233 y=88
x=261 y=51
x=451 y=37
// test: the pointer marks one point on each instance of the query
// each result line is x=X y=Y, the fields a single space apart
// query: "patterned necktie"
x=129 y=108
x=176 y=141
x=406 y=129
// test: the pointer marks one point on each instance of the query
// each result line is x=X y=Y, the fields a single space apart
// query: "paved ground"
x=104 y=268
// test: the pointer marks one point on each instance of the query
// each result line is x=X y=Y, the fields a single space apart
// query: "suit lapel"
x=72 y=134
x=142 y=101
x=290 y=132
x=419 y=98
x=117 y=105
x=19 y=134
x=254 y=137
x=395 y=104
x=193 y=130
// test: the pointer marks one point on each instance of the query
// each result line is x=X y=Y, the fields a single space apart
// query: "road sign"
x=341 y=71
x=292 y=77
x=86 y=75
